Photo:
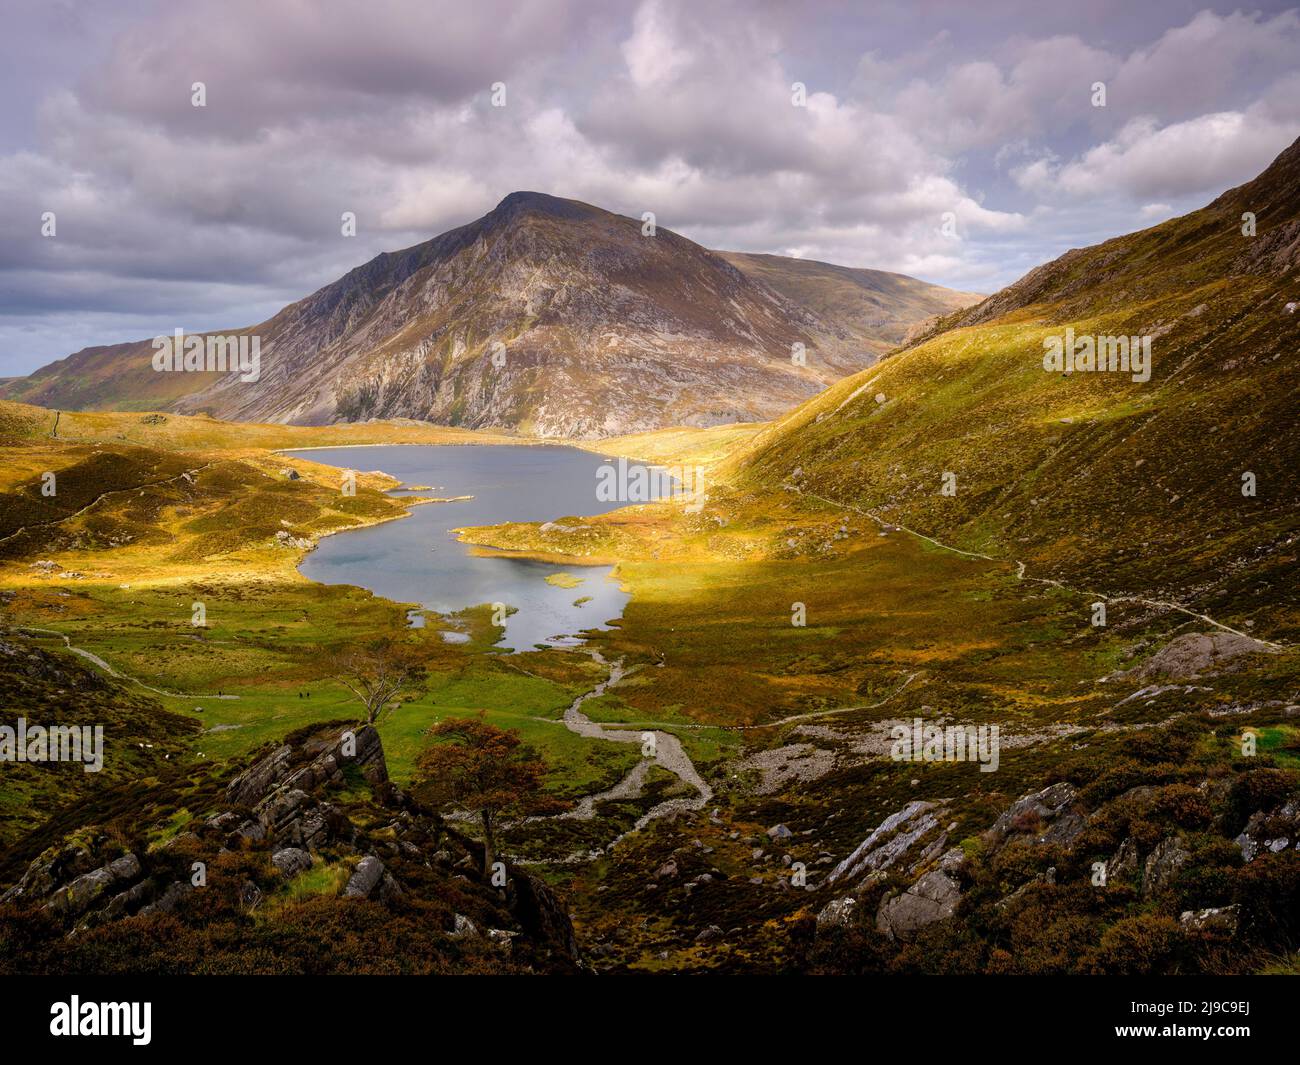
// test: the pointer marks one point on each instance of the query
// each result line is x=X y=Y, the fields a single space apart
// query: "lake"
x=418 y=559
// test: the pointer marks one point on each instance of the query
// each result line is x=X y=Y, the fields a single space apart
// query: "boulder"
x=365 y=877
x=502 y=938
x=932 y=898
x=1048 y=815
x=1163 y=864
x=709 y=935
x=78 y=896
x=126 y=867
x=1196 y=653
x=838 y=913
x=1222 y=919
x=291 y=861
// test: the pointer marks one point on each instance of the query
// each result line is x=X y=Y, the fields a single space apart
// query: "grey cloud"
x=170 y=214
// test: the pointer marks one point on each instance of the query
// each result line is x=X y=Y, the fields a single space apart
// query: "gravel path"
x=95 y=660
x=669 y=755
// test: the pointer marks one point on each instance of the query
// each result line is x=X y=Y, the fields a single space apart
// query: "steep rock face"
x=546 y=315
x=286 y=814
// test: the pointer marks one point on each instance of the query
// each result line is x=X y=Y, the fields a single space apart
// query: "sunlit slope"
x=22 y=423
x=1093 y=476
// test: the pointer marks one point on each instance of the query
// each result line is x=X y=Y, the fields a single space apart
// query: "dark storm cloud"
x=169 y=214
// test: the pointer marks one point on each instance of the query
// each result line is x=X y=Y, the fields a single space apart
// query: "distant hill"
x=878 y=308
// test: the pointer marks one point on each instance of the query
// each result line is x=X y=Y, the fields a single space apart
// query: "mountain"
x=1093 y=476
x=878 y=308
x=605 y=331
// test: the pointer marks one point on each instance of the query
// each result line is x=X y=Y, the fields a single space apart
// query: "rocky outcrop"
x=1196 y=654
x=932 y=898
x=1163 y=864
x=1222 y=919
x=291 y=861
x=318 y=761
x=838 y=913
x=283 y=807
x=911 y=842
x=889 y=841
x=1048 y=816
x=1271 y=831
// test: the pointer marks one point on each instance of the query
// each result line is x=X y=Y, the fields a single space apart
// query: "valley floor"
x=777 y=642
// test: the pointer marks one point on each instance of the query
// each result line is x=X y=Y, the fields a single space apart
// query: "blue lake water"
x=418 y=559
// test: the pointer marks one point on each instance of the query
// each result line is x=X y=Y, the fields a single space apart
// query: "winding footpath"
x=187 y=475
x=668 y=754
x=1020 y=572
x=95 y=660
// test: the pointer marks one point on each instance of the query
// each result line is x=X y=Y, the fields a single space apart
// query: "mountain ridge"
x=1174 y=486
x=545 y=315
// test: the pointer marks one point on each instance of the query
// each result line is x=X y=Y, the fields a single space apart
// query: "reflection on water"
x=417 y=559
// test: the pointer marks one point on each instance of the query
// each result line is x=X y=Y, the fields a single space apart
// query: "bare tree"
x=379 y=672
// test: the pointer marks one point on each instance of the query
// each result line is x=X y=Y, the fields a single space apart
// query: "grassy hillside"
x=1094 y=477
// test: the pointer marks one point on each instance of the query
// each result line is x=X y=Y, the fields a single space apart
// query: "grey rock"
x=1123 y=865
x=709 y=935
x=291 y=861
x=1163 y=864
x=889 y=841
x=365 y=878
x=838 y=913
x=1049 y=809
x=932 y=898
x=170 y=899
x=1197 y=653
x=126 y=867
x=1222 y=919
x=78 y=896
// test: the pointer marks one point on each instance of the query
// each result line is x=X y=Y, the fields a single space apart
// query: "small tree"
x=482 y=768
x=379 y=672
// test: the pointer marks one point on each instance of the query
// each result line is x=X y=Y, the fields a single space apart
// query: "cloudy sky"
x=169 y=215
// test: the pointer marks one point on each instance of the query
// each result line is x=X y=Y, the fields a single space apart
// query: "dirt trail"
x=95 y=660
x=1020 y=572
x=669 y=754
x=186 y=475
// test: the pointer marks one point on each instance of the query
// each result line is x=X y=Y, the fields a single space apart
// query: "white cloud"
x=1147 y=160
x=172 y=213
